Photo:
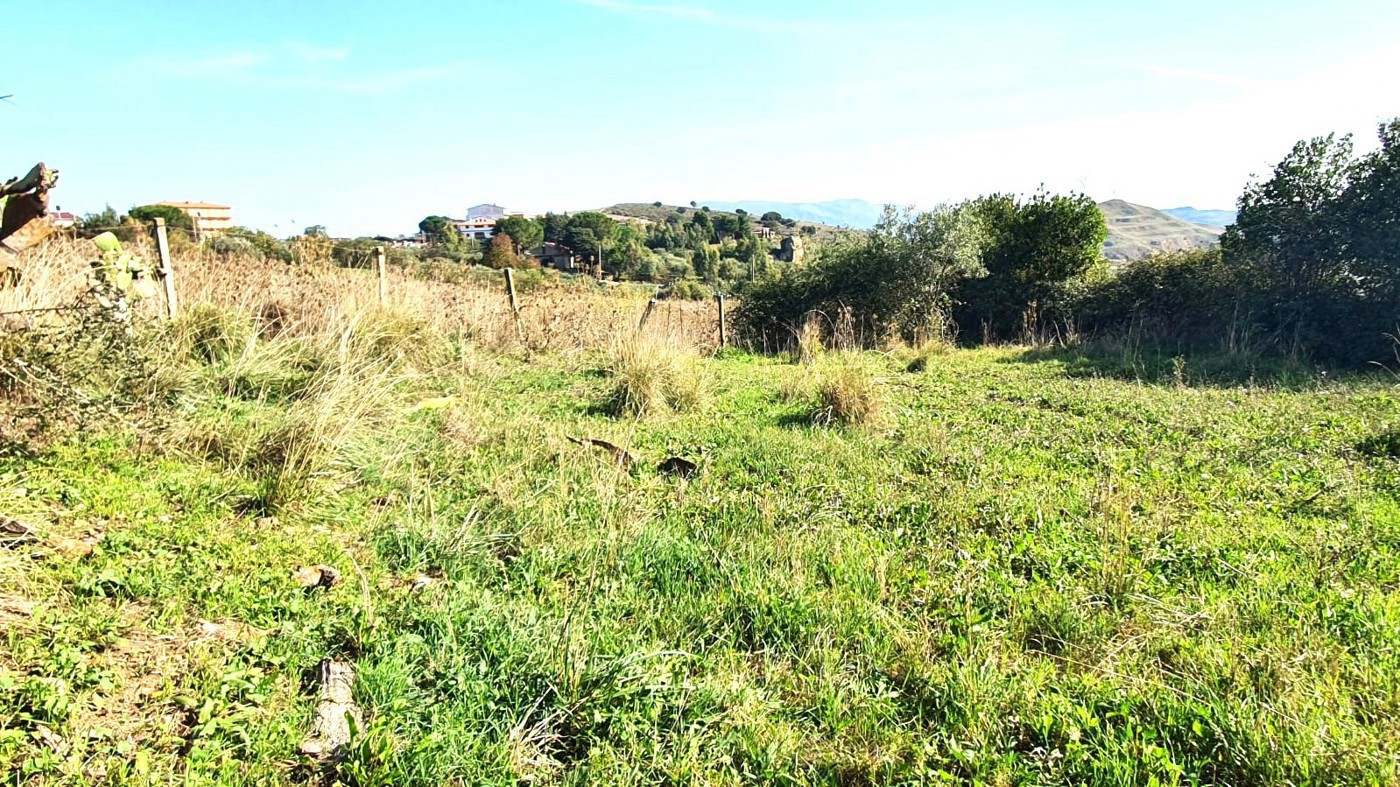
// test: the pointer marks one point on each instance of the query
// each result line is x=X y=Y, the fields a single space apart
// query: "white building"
x=487 y=211
x=480 y=223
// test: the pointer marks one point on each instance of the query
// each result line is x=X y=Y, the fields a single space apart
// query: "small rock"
x=316 y=576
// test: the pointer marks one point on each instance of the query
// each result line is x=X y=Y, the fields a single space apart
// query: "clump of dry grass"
x=920 y=357
x=649 y=376
x=847 y=394
x=399 y=338
x=810 y=342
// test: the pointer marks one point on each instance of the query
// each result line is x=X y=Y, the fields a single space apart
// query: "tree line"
x=719 y=249
x=1310 y=268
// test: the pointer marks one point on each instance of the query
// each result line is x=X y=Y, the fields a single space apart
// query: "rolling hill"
x=1136 y=231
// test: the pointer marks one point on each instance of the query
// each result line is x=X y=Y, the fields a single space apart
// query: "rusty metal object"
x=24 y=201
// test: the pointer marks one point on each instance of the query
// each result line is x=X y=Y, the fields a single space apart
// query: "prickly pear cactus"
x=117 y=277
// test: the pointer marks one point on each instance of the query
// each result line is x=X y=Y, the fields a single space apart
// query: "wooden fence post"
x=514 y=304
x=651 y=304
x=723 y=334
x=167 y=271
x=383 y=275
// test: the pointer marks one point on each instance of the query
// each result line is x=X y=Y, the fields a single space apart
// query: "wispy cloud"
x=301 y=66
x=235 y=61
x=312 y=53
x=706 y=16
x=369 y=84
x=1194 y=75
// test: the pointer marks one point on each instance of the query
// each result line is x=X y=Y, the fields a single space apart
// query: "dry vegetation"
x=304 y=300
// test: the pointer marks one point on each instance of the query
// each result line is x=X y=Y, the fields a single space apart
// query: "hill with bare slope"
x=1137 y=231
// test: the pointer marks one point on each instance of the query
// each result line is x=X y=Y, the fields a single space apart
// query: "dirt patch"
x=147 y=668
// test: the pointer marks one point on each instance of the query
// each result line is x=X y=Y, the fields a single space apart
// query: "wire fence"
x=554 y=312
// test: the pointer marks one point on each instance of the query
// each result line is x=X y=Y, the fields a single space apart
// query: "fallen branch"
x=336 y=712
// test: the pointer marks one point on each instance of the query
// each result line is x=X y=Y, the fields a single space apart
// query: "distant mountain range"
x=1210 y=218
x=1134 y=231
x=857 y=214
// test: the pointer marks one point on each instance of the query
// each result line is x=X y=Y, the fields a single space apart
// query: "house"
x=480 y=223
x=402 y=241
x=62 y=219
x=207 y=217
x=488 y=211
x=476 y=229
x=558 y=257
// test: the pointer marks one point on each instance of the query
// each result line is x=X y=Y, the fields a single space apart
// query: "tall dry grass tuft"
x=649 y=376
x=810 y=342
x=920 y=356
x=332 y=390
x=847 y=394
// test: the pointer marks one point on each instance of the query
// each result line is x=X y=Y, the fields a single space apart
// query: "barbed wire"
x=42 y=309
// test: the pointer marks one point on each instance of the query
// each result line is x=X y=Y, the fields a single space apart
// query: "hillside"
x=1136 y=231
x=1210 y=218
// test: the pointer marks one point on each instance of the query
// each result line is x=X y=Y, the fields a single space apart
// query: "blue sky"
x=366 y=117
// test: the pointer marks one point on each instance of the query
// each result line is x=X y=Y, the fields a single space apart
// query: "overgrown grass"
x=1029 y=575
x=649 y=376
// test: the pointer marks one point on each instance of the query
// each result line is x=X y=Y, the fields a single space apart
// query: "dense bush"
x=688 y=290
x=1035 y=246
x=1192 y=298
x=897 y=278
x=1310 y=270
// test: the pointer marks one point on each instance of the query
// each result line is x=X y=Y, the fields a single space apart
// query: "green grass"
x=1021 y=575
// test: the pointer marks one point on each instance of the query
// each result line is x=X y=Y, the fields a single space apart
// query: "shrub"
x=209 y=334
x=1191 y=298
x=899 y=276
x=688 y=290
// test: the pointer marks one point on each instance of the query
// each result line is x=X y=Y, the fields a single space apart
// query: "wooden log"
x=335 y=712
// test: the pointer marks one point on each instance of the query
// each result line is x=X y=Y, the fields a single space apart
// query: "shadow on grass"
x=796 y=419
x=1167 y=366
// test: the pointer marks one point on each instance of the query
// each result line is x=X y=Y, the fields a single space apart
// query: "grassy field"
x=1014 y=568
